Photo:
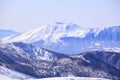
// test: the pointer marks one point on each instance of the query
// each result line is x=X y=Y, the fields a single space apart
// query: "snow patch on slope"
x=115 y=49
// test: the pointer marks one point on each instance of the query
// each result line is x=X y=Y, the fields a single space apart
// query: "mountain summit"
x=53 y=31
x=70 y=38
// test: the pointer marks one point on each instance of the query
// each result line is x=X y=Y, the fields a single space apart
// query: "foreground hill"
x=27 y=59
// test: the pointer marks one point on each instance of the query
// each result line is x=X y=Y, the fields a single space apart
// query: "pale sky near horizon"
x=22 y=15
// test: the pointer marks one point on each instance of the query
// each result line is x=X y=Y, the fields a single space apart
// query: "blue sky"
x=22 y=15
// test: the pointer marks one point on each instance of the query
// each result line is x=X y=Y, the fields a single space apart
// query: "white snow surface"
x=3 y=77
x=72 y=78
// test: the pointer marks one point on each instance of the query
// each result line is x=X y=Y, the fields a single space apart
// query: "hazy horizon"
x=22 y=15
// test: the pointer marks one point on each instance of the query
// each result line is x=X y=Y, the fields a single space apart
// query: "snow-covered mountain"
x=70 y=38
x=51 y=32
x=6 y=33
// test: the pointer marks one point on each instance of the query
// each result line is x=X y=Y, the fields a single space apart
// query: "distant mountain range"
x=69 y=38
x=42 y=63
x=6 y=33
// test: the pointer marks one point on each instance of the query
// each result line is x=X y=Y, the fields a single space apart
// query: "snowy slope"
x=3 y=77
x=69 y=38
x=8 y=74
x=73 y=78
